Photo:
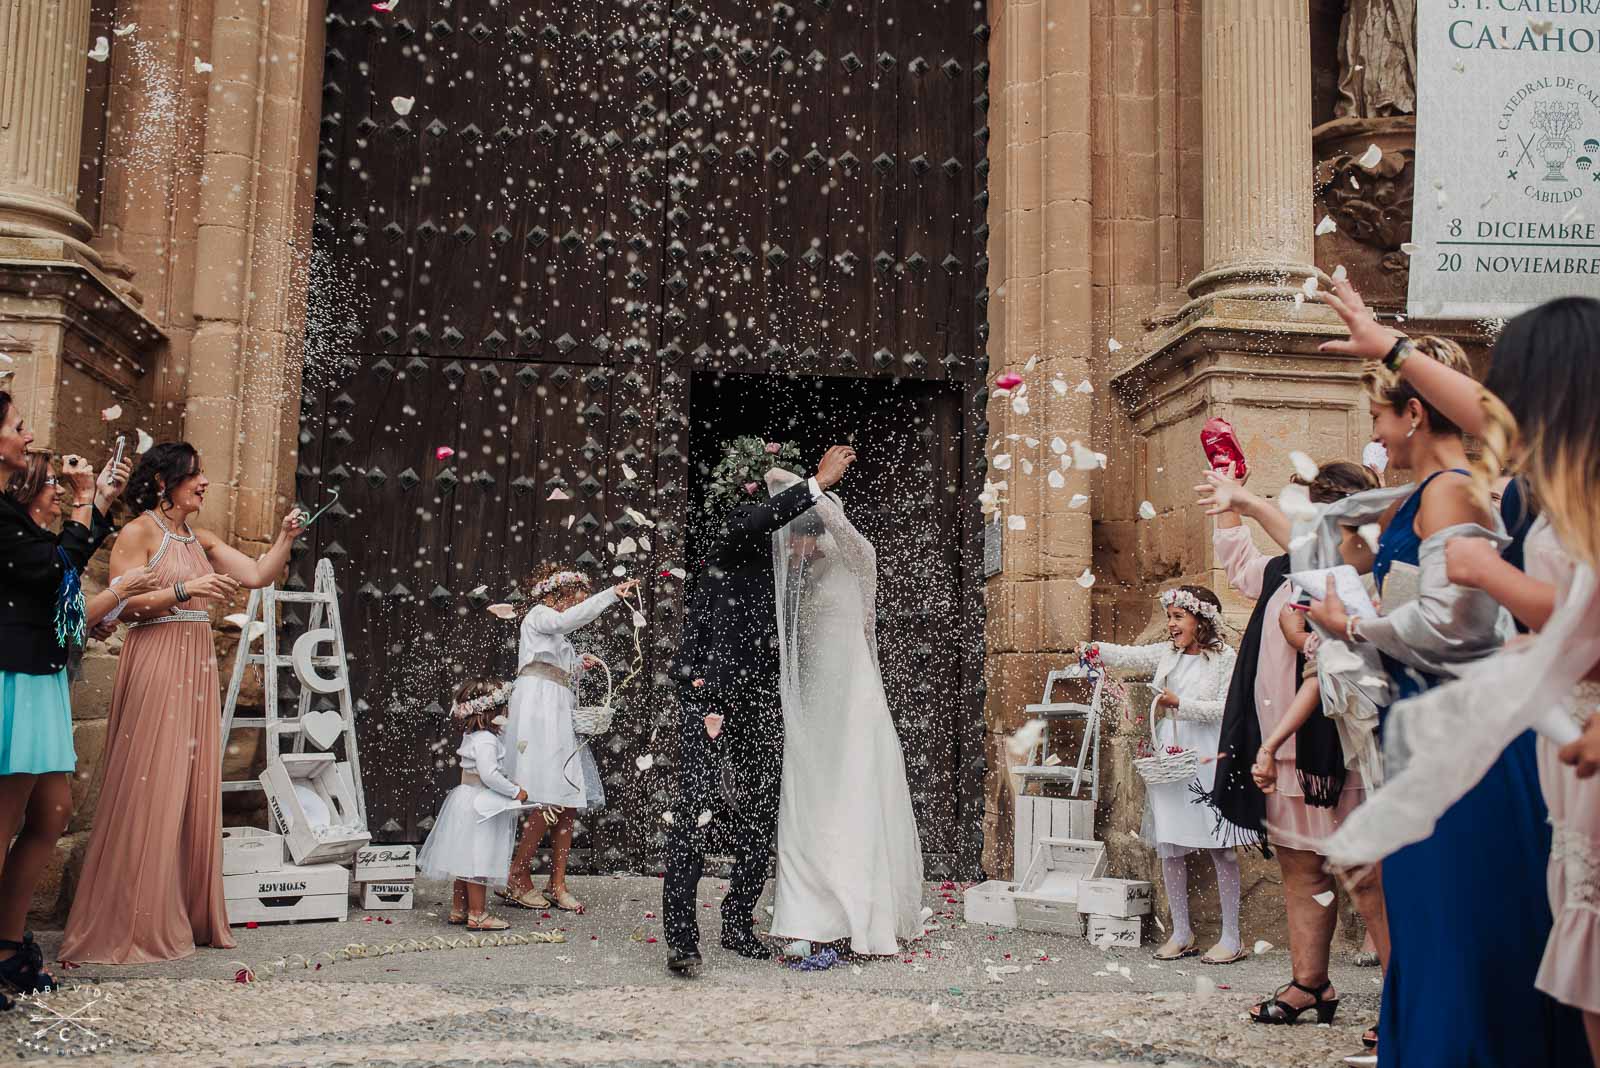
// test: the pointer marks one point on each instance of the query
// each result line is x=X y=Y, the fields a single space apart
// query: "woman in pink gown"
x=151 y=887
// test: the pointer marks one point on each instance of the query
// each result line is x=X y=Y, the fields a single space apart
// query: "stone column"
x=1256 y=63
x=44 y=48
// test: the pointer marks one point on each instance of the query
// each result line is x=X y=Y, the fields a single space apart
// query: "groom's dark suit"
x=730 y=639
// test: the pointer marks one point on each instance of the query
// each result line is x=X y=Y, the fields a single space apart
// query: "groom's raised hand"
x=835 y=462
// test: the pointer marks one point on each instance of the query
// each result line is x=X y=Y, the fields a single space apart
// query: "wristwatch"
x=1398 y=353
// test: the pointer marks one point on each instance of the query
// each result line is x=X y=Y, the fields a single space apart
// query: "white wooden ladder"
x=323 y=627
x=1087 y=770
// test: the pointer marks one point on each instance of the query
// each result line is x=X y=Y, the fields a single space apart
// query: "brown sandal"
x=456 y=919
x=564 y=901
x=528 y=899
x=486 y=922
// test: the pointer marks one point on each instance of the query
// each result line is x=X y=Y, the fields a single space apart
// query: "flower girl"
x=1190 y=672
x=463 y=845
x=542 y=749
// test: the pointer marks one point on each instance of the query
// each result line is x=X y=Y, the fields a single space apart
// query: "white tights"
x=1176 y=876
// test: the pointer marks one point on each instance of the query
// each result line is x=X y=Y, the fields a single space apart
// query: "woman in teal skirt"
x=42 y=614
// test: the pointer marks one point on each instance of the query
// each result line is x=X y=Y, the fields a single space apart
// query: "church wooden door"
x=542 y=239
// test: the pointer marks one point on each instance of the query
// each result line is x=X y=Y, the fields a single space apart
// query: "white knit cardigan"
x=1159 y=658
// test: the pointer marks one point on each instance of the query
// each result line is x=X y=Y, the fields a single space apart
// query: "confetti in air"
x=502 y=611
x=1304 y=466
x=1324 y=899
x=1147 y=510
x=1371 y=157
x=1086 y=579
x=1326 y=226
x=1113 y=345
x=403 y=104
x=111 y=414
x=1078 y=501
x=144 y=442
x=201 y=66
x=101 y=50
x=443 y=452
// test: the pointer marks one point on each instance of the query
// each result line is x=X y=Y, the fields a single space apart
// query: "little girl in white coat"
x=463 y=845
x=1191 y=672
x=543 y=752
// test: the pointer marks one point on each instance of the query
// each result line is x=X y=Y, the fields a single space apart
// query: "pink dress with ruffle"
x=1570 y=971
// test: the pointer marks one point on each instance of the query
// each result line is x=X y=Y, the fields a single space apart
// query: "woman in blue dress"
x=1468 y=912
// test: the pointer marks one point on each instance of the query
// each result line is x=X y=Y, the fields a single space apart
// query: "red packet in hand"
x=1222 y=448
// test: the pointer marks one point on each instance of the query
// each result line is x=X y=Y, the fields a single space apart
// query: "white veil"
x=817 y=594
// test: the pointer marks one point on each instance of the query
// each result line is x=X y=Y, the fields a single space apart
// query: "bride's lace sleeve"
x=860 y=558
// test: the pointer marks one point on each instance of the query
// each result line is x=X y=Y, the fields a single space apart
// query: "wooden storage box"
x=386 y=864
x=247 y=850
x=341 y=835
x=1039 y=818
x=292 y=892
x=1047 y=896
x=1115 y=932
x=991 y=903
x=1115 y=897
x=378 y=897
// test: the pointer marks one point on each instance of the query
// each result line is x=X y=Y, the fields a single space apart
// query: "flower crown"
x=468 y=709
x=1193 y=605
x=556 y=581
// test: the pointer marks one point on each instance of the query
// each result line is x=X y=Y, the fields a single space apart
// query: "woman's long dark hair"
x=159 y=472
x=1543 y=379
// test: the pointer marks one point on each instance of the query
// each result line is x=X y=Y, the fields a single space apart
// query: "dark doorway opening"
x=904 y=494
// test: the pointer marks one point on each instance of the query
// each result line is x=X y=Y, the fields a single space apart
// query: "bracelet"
x=180 y=593
x=1399 y=353
x=83 y=504
x=1351 y=634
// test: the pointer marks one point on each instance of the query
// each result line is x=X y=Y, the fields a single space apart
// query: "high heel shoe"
x=1278 y=1011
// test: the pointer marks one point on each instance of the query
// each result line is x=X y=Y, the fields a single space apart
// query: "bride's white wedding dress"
x=849 y=859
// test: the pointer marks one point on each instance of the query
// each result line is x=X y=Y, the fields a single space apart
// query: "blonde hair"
x=1387 y=387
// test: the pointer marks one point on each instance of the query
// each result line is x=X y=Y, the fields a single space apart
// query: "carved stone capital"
x=1372 y=205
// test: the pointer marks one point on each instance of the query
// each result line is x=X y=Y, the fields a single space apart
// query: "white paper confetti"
x=144 y=442
x=1309 y=287
x=1147 y=510
x=1371 y=157
x=1369 y=533
x=1339 y=273
x=1056 y=479
x=1019 y=404
x=678 y=573
x=1058 y=446
x=1304 y=466
x=1324 y=899
x=629 y=473
x=403 y=104
x=703 y=819
x=627 y=547
x=502 y=611
x=637 y=516
x=201 y=66
x=1086 y=579
x=1263 y=946
x=1078 y=501
x=1002 y=462
x=645 y=761
x=123 y=31
x=1016 y=522
x=1113 y=345
x=111 y=414
x=101 y=50
x=666 y=817
x=1326 y=226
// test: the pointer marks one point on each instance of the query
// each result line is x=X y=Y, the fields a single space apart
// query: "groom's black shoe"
x=745 y=943
x=683 y=961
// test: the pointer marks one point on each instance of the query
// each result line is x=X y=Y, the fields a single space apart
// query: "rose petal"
x=1060 y=386
x=638 y=619
x=1113 y=345
x=1058 y=446
x=1309 y=286
x=1019 y=405
x=1304 y=466
x=1263 y=947
x=101 y=50
x=1339 y=273
x=1370 y=533
x=502 y=611
x=703 y=819
x=559 y=494
x=1371 y=157
x=1147 y=510
x=1086 y=579
x=627 y=547
x=1002 y=462
x=201 y=66
x=666 y=817
x=1057 y=480
x=1084 y=458
x=1016 y=522
x=123 y=31
x=403 y=104
x=1078 y=501
x=1085 y=387
x=111 y=414
x=1008 y=381
x=645 y=762
x=629 y=473
x=1410 y=248
x=1326 y=226
x=713 y=724
x=1324 y=899
x=443 y=452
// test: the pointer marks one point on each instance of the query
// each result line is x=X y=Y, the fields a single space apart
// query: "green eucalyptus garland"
x=741 y=476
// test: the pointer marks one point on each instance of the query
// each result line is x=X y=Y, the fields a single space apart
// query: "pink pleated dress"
x=151 y=888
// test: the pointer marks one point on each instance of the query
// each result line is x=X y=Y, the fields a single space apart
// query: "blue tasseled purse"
x=70 y=609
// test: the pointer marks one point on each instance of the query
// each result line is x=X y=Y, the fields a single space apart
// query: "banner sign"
x=1507 y=199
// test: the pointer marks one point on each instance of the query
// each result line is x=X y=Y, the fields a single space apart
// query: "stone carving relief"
x=1378 y=59
x=1371 y=205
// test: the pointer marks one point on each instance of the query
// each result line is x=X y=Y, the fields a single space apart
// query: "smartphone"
x=122 y=445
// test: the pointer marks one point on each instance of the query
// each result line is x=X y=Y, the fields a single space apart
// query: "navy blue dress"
x=1469 y=914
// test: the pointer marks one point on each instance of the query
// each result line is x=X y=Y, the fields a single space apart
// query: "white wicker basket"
x=1163 y=768
x=590 y=720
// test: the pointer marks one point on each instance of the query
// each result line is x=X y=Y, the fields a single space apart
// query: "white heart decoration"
x=322 y=728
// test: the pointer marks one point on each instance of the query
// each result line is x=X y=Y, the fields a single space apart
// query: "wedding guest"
x=41 y=614
x=1465 y=948
x=1533 y=412
x=1313 y=791
x=1190 y=672
x=543 y=752
x=151 y=887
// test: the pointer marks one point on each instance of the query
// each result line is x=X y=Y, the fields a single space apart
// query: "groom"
x=727 y=669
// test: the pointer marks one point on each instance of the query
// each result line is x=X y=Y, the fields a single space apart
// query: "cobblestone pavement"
x=602 y=997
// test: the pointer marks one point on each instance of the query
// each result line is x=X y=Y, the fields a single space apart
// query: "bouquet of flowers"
x=1113 y=692
x=741 y=476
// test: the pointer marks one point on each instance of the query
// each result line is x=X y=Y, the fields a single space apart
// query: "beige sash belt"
x=549 y=672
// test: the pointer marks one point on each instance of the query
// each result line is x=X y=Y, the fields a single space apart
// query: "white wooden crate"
x=310 y=843
x=247 y=850
x=992 y=903
x=1115 y=932
x=1047 y=895
x=1038 y=818
x=1115 y=897
x=292 y=892
x=386 y=863
x=379 y=897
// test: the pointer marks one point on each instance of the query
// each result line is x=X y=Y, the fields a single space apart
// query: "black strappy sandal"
x=1370 y=1039
x=23 y=971
x=1278 y=1011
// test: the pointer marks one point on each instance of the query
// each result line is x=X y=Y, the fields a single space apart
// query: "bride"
x=849 y=860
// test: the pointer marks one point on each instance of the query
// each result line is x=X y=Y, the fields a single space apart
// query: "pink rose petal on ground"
x=443 y=452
